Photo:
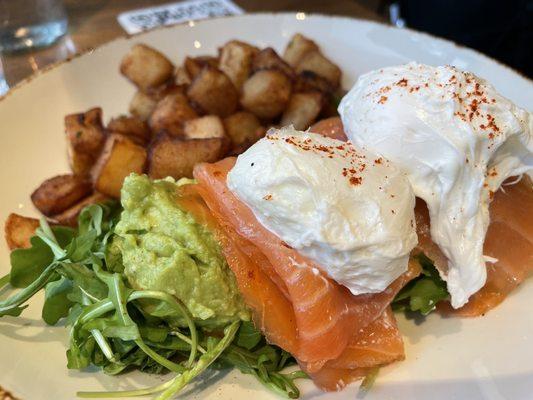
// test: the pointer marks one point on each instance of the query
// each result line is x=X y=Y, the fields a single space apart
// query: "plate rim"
x=126 y=36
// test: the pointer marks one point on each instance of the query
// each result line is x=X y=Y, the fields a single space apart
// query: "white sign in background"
x=147 y=18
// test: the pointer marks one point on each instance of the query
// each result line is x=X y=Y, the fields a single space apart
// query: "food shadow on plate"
x=480 y=387
x=32 y=330
x=414 y=328
x=207 y=382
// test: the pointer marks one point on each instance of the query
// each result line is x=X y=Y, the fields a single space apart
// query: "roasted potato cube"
x=315 y=62
x=142 y=105
x=266 y=93
x=236 y=60
x=120 y=157
x=18 y=231
x=146 y=67
x=243 y=129
x=194 y=65
x=206 y=127
x=308 y=81
x=213 y=92
x=168 y=156
x=297 y=48
x=170 y=114
x=182 y=77
x=85 y=138
x=69 y=217
x=303 y=109
x=241 y=148
x=133 y=127
x=57 y=194
x=269 y=59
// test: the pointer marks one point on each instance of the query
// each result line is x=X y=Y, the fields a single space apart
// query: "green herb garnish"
x=423 y=293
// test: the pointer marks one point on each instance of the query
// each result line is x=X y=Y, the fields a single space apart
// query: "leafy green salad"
x=120 y=323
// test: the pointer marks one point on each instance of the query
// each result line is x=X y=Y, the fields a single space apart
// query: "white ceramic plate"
x=485 y=358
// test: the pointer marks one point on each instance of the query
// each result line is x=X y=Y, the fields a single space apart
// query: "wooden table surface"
x=94 y=22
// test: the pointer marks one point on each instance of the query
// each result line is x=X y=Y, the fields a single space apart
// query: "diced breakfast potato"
x=266 y=93
x=213 y=92
x=303 y=109
x=142 y=105
x=18 y=230
x=182 y=77
x=243 y=129
x=171 y=113
x=308 y=81
x=146 y=67
x=209 y=126
x=85 y=138
x=315 y=62
x=69 y=217
x=57 y=194
x=120 y=157
x=168 y=156
x=194 y=65
x=133 y=127
x=236 y=61
x=297 y=48
x=269 y=59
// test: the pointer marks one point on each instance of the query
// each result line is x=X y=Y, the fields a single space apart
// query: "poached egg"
x=350 y=211
x=457 y=139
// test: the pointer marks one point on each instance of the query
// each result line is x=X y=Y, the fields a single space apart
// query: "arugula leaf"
x=28 y=264
x=423 y=293
x=248 y=336
x=56 y=303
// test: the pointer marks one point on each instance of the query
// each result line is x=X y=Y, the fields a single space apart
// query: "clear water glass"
x=26 y=24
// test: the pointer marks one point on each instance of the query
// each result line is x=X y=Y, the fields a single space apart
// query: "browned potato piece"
x=120 y=157
x=194 y=65
x=18 y=230
x=308 y=81
x=303 y=109
x=85 y=138
x=181 y=76
x=170 y=114
x=209 y=126
x=69 y=217
x=243 y=128
x=142 y=105
x=133 y=127
x=266 y=93
x=168 y=156
x=297 y=48
x=315 y=62
x=213 y=92
x=236 y=61
x=146 y=67
x=269 y=59
x=60 y=192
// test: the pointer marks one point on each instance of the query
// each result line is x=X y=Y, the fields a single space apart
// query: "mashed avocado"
x=164 y=248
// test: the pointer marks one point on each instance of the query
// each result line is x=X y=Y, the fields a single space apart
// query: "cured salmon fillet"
x=509 y=238
x=272 y=311
x=330 y=127
x=326 y=314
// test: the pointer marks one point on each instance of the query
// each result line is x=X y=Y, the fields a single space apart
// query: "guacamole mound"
x=163 y=248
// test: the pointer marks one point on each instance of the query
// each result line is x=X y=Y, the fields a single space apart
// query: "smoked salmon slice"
x=272 y=311
x=326 y=314
x=510 y=241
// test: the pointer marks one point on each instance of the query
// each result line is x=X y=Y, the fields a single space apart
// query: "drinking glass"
x=25 y=24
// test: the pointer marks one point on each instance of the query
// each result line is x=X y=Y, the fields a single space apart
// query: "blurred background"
x=37 y=33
